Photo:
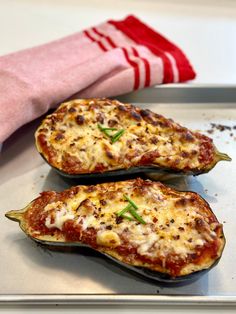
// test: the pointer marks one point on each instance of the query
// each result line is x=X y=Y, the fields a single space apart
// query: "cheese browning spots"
x=180 y=235
x=98 y=135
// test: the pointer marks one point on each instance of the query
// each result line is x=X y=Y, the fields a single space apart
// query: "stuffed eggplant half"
x=102 y=137
x=145 y=226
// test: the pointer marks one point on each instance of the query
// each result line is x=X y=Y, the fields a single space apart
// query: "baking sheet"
x=30 y=274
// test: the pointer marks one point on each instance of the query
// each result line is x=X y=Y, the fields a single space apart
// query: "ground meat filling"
x=70 y=139
x=179 y=228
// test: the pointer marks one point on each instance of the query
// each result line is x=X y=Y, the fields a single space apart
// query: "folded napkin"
x=110 y=59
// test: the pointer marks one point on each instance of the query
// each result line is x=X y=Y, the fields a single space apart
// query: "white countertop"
x=205 y=30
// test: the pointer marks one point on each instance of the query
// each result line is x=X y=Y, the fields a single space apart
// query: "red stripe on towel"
x=109 y=40
x=100 y=44
x=127 y=57
x=135 y=67
x=147 y=67
x=144 y=35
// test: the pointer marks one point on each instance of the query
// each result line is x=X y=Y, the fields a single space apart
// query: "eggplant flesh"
x=143 y=272
x=159 y=173
x=154 y=172
x=140 y=271
x=189 y=198
x=79 y=141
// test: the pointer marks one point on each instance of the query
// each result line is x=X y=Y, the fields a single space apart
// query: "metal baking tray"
x=30 y=274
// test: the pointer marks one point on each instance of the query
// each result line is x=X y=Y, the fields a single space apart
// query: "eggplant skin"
x=73 y=140
x=172 y=234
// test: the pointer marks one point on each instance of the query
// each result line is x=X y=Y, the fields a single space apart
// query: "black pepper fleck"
x=79 y=119
x=72 y=109
x=103 y=202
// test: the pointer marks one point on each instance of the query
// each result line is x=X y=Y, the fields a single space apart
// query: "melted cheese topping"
x=75 y=144
x=176 y=223
x=60 y=217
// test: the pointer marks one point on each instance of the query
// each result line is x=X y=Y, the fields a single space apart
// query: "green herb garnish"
x=127 y=217
x=124 y=210
x=131 y=208
x=131 y=202
x=115 y=137
x=136 y=216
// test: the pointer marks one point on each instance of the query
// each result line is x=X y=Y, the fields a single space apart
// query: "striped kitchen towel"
x=110 y=59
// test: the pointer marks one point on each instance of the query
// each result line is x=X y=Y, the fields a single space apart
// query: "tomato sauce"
x=73 y=232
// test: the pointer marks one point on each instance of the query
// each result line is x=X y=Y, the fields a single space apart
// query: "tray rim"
x=113 y=299
x=135 y=299
x=183 y=93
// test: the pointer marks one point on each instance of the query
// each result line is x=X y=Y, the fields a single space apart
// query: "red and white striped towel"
x=113 y=58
